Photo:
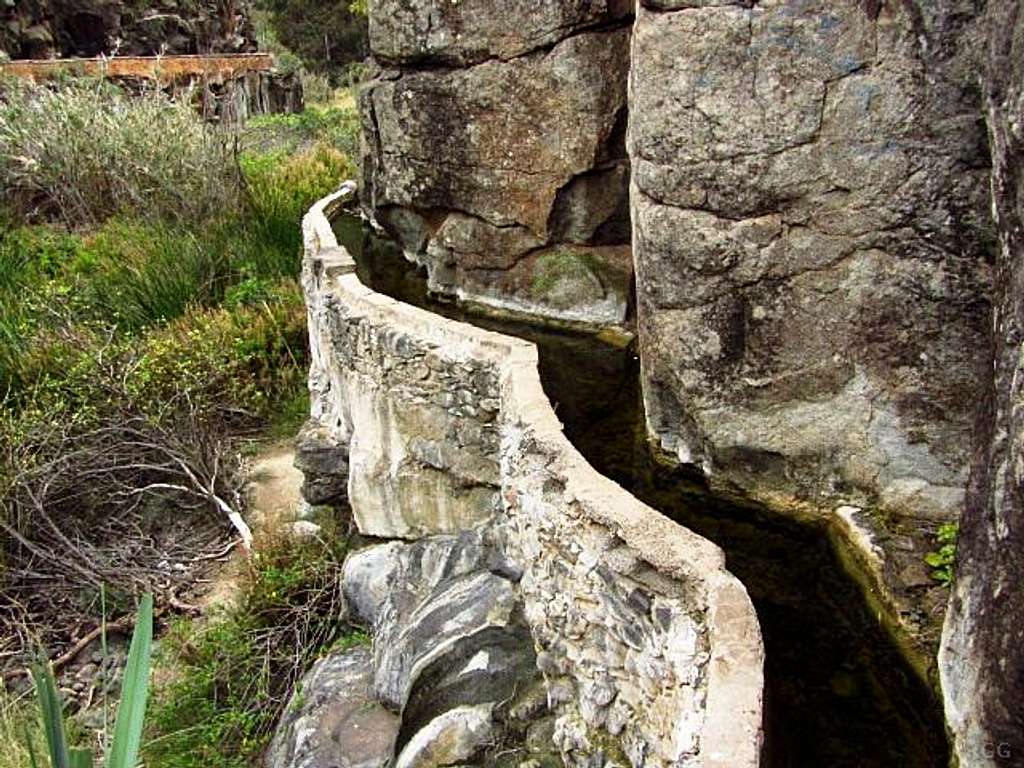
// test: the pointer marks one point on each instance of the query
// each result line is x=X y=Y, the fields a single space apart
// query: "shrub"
x=337 y=126
x=280 y=190
x=316 y=88
x=18 y=724
x=140 y=274
x=232 y=675
x=83 y=150
x=30 y=259
x=95 y=449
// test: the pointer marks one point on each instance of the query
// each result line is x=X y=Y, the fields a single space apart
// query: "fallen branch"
x=121 y=625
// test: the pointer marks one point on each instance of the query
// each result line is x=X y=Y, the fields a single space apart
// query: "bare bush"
x=129 y=494
x=83 y=150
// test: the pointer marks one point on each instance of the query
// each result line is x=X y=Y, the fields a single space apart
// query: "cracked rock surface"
x=981 y=660
x=810 y=239
x=495 y=152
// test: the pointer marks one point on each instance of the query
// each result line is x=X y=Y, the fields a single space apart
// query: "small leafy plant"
x=123 y=751
x=942 y=559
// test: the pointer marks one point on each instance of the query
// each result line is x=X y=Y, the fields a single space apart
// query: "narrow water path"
x=838 y=693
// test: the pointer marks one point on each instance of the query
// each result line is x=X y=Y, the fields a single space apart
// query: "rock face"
x=333 y=720
x=324 y=465
x=495 y=151
x=808 y=198
x=982 y=654
x=449 y=647
x=41 y=29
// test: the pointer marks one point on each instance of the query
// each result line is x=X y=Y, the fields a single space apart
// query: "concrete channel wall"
x=650 y=650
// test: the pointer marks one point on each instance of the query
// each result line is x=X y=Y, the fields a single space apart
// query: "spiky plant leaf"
x=30 y=744
x=53 y=715
x=124 y=750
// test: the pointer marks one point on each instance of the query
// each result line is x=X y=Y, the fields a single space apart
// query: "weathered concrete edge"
x=732 y=732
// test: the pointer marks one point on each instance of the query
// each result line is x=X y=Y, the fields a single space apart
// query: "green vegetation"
x=326 y=36
x=232 y=675
x=151 y=325
x=943 y=559
x=86 y=150
x=20 y=730
x=336 y=125
x=123 y=750
x=564 y=270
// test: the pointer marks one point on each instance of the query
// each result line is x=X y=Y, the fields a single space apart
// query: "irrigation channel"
x=838 y=693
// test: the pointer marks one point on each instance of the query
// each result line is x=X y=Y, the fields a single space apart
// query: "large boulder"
x=396 y=577
x=498 y=140
x=449 y=646
x=982 y=654
x=333 y=720
x=406 y=644
x=470 y=31
x=810 y=240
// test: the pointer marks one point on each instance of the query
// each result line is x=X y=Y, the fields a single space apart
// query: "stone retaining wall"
x=650 y=649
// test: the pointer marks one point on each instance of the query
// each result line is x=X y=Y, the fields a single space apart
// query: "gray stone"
x=323 y=462
x=476 y=167
x=810 y=245
x=406 y=642
x=487 y=667
x=497 y=140
x=368 y=577
x=333 y=720
x=580 y=284
x=981 y=658
x=397 y=577
x=470 y=31
x=455 y=736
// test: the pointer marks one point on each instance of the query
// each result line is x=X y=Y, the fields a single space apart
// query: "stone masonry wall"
x=650 y=649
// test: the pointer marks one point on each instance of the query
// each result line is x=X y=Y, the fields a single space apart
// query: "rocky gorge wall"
x=811 y=247
x=981 y=659
x=649 y=649
x=809 y=237
x=44 y=29
x=494 y=151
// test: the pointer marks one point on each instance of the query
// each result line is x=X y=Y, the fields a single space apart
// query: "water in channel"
x=837 y=692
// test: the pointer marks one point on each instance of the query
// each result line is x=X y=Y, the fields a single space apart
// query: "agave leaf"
x=124 y=750
x=81 y=758
x=53 y=715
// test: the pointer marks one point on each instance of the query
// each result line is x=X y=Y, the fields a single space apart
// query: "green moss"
x=561 y=268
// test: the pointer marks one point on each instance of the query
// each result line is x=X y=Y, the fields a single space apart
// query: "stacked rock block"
x=494 y=151
x=649 y=650
x=810 y=232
